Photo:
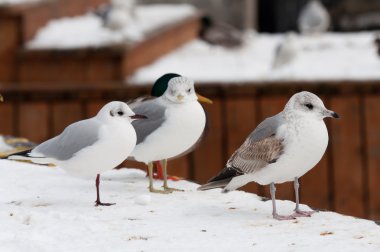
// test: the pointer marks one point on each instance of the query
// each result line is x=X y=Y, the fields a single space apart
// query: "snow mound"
x=11 y=2
x=44 y=209
x=88 y=30
x=332 y=56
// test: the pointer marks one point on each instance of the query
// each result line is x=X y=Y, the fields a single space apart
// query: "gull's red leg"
x=98 y=202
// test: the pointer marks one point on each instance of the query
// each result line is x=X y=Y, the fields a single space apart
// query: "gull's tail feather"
x=214 y=184
x=22 y=154
x=222 y=179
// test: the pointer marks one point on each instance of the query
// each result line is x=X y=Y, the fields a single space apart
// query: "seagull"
x=89 y=147
x=377 y=43
x=158 y=90
x=217 y=33
x=285 y=52
x=176 y=122
x=282 y=148
x=1 y=98
x=10 y=145
x=118 y=14
x=313 y=18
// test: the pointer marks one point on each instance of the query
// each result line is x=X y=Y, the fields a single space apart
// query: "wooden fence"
x=346 y=180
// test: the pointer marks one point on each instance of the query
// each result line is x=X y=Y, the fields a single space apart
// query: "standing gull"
x=176 y=121
x=10 y=145
x=377 y=43
x=118 y=14
x=285 y=52
x=314 y=18
x=222 y=34
x=158 y=89
x=282 y=148
x=89 y=147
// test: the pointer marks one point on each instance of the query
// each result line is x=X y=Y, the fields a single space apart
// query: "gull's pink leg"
x=297 y=211
x=274 y=213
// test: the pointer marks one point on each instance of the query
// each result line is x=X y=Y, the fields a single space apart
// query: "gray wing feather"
x=134 y=103
x=156 y=117
x=267 y=128
x=261 y=148
x=74 y=138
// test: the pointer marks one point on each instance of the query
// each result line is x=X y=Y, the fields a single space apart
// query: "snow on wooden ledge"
x=11 y=2
x=45 y=209
x=331 y=56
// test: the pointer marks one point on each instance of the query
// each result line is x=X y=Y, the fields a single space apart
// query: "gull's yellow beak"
x=204 y=99
x=1 y=98
x=180 y=97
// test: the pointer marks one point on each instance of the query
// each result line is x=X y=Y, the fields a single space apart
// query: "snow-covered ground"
x=88 y=30
x=44 y=209
x=333 y=56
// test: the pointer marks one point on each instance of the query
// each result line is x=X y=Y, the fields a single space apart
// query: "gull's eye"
x=120 y=113
x=189 y=90
x=309 y=106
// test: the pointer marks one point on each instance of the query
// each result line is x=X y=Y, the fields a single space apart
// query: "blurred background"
x=61 y=60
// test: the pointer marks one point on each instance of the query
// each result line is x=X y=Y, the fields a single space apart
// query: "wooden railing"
x=346 y=180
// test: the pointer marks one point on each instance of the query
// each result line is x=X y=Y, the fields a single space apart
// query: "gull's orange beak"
x=180 y=98
x=204 y=99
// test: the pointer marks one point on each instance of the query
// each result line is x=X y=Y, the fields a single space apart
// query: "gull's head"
x=118 y=110
x=161 y=86
x=180 y=90
x=308 y=105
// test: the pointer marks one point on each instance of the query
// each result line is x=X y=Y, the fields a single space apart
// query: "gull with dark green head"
x=176 y=122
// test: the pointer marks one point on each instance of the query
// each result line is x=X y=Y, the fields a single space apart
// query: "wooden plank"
x=93 y=107
x=346 y=143
x=314 y=187
x=270 y=106
x=9 y=30
x=6 y=121
x=179 y=167
x=241 y=119
x=54 y=68
x=159 y=43
x=64 y=114
x=34 y=121
x=208 y=159
x=102 y=68
x=372 y=122
x=134 y=165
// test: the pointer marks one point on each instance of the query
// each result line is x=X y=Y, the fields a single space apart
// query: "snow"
x=143 y=199
x=9 y=2
x=332 y=56
x=44 y=209
x=88 y=30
